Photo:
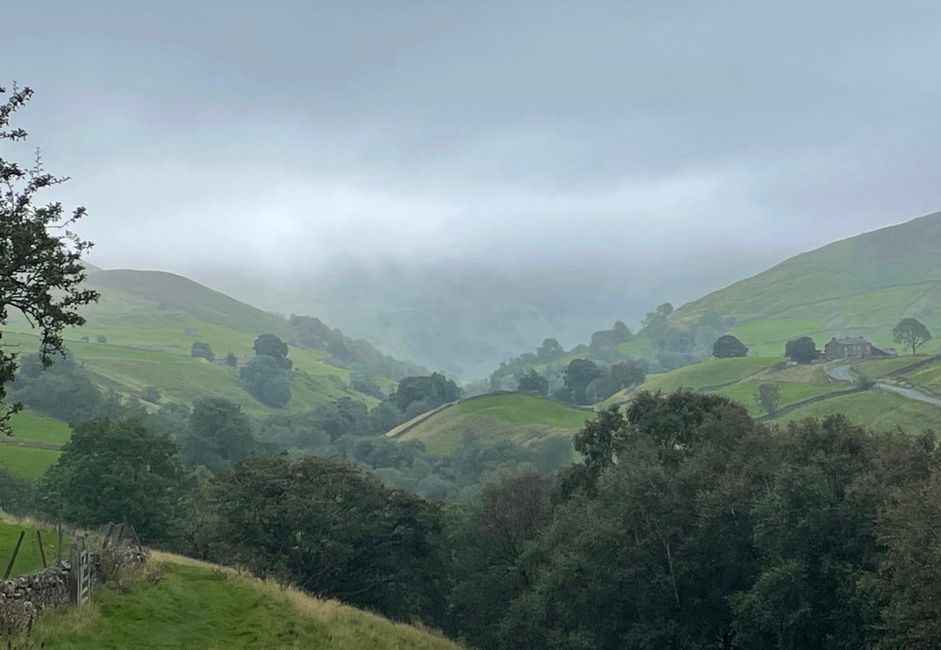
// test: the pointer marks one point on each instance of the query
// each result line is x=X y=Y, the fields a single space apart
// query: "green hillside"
x=149 y=320
x=738 y=379
x=518 y=417
x=193 y=605
x=29 y=557
x=858 y=286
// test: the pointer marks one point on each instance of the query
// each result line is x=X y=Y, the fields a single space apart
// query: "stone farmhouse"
x=854 y=348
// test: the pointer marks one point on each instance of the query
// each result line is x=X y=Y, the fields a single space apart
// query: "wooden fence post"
x=6 y=574
x=42 y=549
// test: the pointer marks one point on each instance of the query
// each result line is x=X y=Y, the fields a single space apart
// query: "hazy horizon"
x=556 y=165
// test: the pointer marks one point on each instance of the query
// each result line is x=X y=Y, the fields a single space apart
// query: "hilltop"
x=860 y=286
x=141 y=331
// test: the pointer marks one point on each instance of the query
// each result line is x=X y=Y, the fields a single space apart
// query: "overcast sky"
x=681 y=144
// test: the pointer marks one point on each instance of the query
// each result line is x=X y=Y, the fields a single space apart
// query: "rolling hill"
x=140 y=332
x=810 y=391
x=860 y=286
x=518 y=417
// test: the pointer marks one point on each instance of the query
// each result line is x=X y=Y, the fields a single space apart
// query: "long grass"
x=191 y=604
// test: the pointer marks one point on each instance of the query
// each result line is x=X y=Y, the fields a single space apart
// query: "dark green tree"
x=201 y=350
x=912 y=333
x=577 y=376
x=266 y=380
x=328 y=527
x=231 y=360
x=434 y=390
x=41 y=272
x=628 y=373
x=769 y=397
x=269 y=345
x=802 y=349
x=728 y=346
x=116 y=470
x=534 y=383
x=218 y=435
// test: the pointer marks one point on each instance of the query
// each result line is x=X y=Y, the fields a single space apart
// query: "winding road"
x=844 y=373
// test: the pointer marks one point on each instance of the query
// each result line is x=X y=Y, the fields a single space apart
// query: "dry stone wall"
x=24 y=598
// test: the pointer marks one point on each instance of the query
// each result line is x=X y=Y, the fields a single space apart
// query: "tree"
x=434 y=390
x=629 y=373
x=489 y=561
x=201 y=350
x=912 y=333
x=728 y=346
x=41 y=271
x=269 y=345
x=577 y=375
x=550 y=350
x=802 y=349
x=769 y=397
x=621 y=331
x=666 y=309
x=150 y=394
x=218 y=435
x=231 y=360
x=116 y=470
x=266 y=380
x=534 y=383
x=62 y=390
x=330 y=528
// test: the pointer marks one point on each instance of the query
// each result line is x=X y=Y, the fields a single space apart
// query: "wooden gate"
x=81 y=572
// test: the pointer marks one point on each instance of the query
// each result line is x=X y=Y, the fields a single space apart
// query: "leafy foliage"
x=112 y=470
x=802 y=349
x=41 y=273
x=728 y=346
x=265 y=378
x=218 y=435
x=912 y=333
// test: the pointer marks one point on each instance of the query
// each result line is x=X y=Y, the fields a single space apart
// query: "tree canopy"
x=912 y=333
x=41 y=271
x=728 y=346
x=802 y=349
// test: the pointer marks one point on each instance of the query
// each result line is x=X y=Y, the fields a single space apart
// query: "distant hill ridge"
x=861 y=284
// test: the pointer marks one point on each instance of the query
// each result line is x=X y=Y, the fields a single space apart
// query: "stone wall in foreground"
x=24 y=598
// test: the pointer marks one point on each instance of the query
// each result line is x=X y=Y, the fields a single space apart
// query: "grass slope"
x=26 y=461
x=196 y=605
x=151 y=319
x=874 y=409
x=29 y=558
x=518 y=417
x=858 y=286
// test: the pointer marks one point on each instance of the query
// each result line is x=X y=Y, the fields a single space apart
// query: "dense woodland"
x=686 y=525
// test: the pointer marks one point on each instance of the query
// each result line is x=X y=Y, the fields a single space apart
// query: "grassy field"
x=927 y=378
x=150 y=320
x=28 y=559
x=32 y=426
x=859 y=286
x=25 y=461
x=745 y=392
x=876 y=410
x=504 y=416
x=196 y=606
x=182 y=378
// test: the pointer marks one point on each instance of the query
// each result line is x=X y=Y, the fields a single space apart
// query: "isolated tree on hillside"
x=912 y=333
x=578 y=375
x=534 y=383
x=728 y=346
x=769 y=397
x=269 y=345
x=201 y=350
x=801 y=350
x=41 y=273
